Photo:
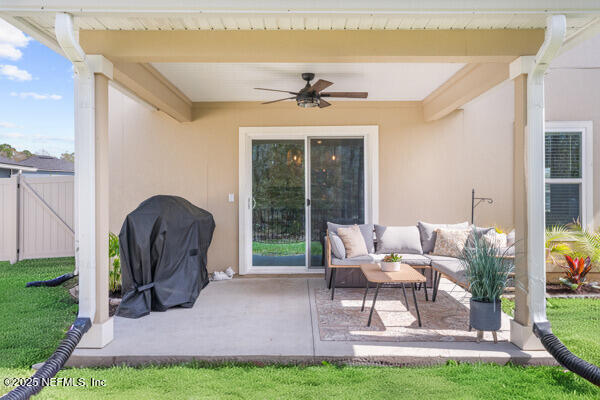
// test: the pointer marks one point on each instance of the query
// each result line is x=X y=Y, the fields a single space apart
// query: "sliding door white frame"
x=370 y=134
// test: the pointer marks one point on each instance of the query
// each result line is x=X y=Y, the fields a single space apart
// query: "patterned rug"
x=446 y=320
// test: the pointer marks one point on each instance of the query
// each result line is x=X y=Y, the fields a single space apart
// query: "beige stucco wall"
x=426 y=170
x=573 y=94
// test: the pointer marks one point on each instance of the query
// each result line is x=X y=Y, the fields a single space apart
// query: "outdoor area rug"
x=445 y=320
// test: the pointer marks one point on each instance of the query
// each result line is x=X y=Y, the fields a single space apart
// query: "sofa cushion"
x=365 y=229
x=410 y=259
x=452 y=268
x=477 y=232
x=450 y=242
x=511 y=238
x=398 y=239
x=354 y=242
x=428 y=233
x=495 y=239
x=337 y=246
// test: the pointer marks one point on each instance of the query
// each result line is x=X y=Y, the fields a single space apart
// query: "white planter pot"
x=390 y=266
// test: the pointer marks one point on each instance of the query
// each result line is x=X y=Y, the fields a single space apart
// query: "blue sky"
x=36 y=95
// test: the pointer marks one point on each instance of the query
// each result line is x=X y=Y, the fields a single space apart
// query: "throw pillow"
x=428 y=233
x=495 y=239
x=398 y=239
x=510 y=238
x=337 y=246
x=366 y=230
x=450 y=242
x=353 y=240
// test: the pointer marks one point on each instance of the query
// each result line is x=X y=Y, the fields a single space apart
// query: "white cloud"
x=13 y=73
x=36 y=96
x=10 y=52
x=4 y=124
x=10 y=40
x=12 y=135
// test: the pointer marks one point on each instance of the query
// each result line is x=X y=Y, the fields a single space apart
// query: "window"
x=568 y=173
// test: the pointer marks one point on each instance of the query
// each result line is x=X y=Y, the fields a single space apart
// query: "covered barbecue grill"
x=164 y=243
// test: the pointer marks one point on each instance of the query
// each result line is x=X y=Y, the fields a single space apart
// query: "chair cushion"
x=452 y=268
x=398 y=239
x=365 y=229
x=495 y=239
x=354 y=242
x=510 y=238
x=337 y=246
x=428 y=234
x=410 y=259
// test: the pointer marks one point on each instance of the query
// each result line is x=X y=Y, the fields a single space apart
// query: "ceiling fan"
x=311 y=95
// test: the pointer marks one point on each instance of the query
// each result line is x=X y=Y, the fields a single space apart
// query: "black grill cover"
x=163 y=255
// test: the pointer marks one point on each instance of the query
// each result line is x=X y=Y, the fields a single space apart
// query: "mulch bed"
x=558 y=290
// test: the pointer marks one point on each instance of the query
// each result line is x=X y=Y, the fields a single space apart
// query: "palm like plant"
x=576 y=271
x=557 y=238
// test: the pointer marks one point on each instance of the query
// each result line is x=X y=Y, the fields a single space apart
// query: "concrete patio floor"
x=267 y=320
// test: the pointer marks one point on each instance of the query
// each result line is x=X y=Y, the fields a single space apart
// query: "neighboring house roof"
x=38 y=163
x=48 y=163
x=8 y=163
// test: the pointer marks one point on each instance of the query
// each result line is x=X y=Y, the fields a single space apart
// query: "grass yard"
x=33 y=321
x=285 y=249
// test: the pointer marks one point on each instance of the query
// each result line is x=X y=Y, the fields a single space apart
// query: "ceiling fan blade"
x=275 y=101
x=320 y=85
x=353 y=95
x=275 y=90
x=323 y=103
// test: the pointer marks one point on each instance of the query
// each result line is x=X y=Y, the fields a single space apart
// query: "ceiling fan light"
x=308 y=102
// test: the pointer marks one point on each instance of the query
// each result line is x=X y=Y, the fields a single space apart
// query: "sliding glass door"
x=278 y=203
x=298 y=185
x=337 y=188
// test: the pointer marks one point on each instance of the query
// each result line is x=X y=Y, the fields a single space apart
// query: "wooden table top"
x=374 y=274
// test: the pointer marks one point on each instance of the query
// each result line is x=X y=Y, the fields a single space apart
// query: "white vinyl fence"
x=36 y=217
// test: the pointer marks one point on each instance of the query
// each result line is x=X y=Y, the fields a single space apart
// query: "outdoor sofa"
x=414 y=243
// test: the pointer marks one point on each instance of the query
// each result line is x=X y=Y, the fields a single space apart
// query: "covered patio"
x=147 y=123
x=294 y=321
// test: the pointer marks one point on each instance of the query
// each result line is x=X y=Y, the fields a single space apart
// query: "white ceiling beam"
x=468 y=83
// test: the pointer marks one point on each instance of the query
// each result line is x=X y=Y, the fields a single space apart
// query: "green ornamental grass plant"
x=487 y=270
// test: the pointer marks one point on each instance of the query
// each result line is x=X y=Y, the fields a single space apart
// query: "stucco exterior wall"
x=573 y=94
x=426 y=170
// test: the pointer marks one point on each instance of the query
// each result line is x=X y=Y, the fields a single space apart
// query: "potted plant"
x=391 y=263
x=487 y=271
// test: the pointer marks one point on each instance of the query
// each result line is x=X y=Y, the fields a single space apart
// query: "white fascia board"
x=78 y=7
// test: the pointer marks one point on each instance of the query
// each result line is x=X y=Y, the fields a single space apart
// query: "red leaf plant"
x=575 y=271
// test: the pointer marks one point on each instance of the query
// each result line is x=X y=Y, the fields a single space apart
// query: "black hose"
x=567 y=359
x=53 y=364
x=52 y=282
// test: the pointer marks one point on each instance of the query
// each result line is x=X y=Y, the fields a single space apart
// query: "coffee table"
x=406 y=274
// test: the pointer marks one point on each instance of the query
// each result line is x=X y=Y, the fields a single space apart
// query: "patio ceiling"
x=36 y=17
x=235 y=81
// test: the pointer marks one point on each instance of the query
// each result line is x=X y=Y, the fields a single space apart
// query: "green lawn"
x=33 y=321
x=285 y=249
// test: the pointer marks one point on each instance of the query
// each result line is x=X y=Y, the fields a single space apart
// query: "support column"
x=101 y=332
x=521 y=333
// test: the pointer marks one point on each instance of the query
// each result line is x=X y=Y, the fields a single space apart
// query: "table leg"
x=365 y=297
x=416 y=304
x=333 y=282
x=373 y=305
x=436 y=285
x=425 y=289
x=405 y=298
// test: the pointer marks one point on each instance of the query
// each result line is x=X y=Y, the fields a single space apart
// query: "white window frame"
x=370 y=134
x=587 y=165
